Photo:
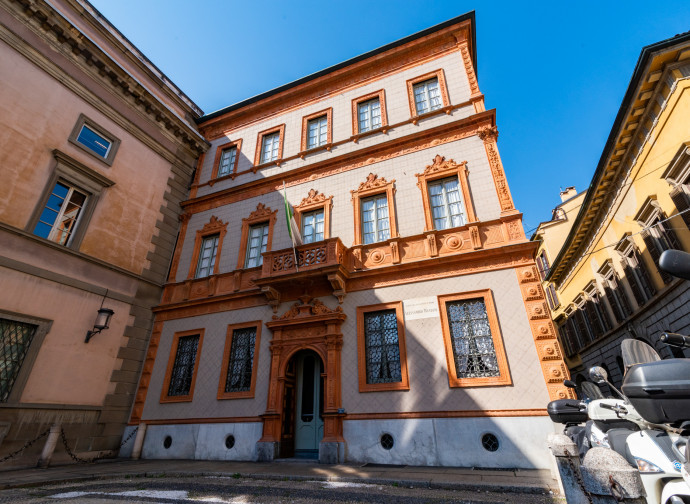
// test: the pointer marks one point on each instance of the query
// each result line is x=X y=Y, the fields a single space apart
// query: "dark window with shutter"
x=593 y=317
x=552 y=297
x=634 y=283
x=577 y=339
x=543 y=265
x=601 y=312
x=583 y=326
x=682 y=201
x=662 y=238
x=566 y=338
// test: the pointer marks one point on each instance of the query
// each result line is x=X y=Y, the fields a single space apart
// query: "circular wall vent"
x=387 y=441
x=490 y=442
x=167 y=442
x=229 y=441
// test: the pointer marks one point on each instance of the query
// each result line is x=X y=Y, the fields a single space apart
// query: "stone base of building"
x=486 y=442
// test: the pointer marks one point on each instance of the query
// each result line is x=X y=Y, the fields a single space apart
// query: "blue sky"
x=555 y=72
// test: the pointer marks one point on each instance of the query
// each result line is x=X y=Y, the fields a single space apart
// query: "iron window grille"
x=16 y=338
x=241 y=362
x=183 y=368
x=382 y=347
x=473 y=348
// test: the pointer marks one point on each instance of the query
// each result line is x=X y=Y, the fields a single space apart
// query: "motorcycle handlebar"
x=674 y=339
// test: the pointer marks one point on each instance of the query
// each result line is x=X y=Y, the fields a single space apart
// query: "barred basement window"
x=239 y=375
x=182 y=366
x=16 y=338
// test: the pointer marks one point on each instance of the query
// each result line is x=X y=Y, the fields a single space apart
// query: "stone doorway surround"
x=307 y=325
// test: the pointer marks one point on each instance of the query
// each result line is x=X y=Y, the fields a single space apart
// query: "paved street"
x=242 y=490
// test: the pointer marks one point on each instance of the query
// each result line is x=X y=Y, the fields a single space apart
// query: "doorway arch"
x=308 y=327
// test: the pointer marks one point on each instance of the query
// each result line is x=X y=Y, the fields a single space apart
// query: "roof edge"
x=640 y=69
x=469 y=16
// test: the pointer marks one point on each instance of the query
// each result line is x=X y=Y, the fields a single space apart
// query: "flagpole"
x=287 y=221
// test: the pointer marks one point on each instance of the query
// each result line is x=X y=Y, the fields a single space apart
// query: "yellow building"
x=603 y=281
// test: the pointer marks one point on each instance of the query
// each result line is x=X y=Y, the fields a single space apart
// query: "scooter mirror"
x=598 y=374
x=570 y=384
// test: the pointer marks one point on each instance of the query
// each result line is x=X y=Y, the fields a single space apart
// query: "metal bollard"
x=49 y=447
x=139 y=441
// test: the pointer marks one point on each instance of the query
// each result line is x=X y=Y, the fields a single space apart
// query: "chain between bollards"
x=26 y=445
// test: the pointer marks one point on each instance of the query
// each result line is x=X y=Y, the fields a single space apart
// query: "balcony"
x=315 y=267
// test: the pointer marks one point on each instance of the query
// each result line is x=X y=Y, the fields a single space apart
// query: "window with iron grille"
x=473 y=348
x=207 y=256
x=16 y=338
x=182 y=373
x=446 y=203
x=427 y=96
x=382 y=347
x=241 y=360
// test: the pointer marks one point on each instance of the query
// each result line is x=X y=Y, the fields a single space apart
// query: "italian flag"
x=292 y=228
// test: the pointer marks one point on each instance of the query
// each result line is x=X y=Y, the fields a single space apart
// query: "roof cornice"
x=447 y=28
x=626 y=138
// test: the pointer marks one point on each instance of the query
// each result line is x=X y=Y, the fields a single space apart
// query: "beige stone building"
x=97 y=149
x=604 y=271
x=409 y=327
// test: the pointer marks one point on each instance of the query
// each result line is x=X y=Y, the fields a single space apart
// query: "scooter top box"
x=566 y=411
x=660 y=391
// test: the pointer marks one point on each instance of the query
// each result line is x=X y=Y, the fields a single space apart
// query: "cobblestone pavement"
x=240 y=490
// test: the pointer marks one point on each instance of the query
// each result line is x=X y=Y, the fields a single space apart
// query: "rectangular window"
x=239 y=362
x=473 y=350
x=16 y=338
x=446 y=203
x=375 y=224
x=207 y=256
x=312 y=226
x=227 y=161
x=270 y=147
x=427 y=96
x=552 y=297
x=369 y=115
x=60 y=217
x=182 y=374
x=258 y=241
x=317 y=132
x=543 y=265
x=382 y=358
x=474 y=347
x=92 y=140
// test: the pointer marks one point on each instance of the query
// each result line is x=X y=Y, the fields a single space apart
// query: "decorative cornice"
x=373 y=182
x=214 y=224
x=60 y=33
x=307 y=307
x=488 y=133
x=314 y=197
x=440 y=165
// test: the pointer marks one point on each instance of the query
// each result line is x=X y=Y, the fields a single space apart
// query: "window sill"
x=356 y=138
x=443 y=110
x=276 y=162
x=313 y=150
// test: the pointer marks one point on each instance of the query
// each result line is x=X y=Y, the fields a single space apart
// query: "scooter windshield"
x=637 y=352
x=592 y=391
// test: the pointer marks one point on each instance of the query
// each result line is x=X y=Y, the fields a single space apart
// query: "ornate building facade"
x=407 y=323
x=604 y=274
x=98 y=149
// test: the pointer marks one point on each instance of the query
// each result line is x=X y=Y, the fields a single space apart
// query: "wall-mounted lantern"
x=102 y=322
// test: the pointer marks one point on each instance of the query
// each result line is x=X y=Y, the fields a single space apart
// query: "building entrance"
x=308 y=412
